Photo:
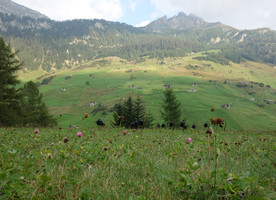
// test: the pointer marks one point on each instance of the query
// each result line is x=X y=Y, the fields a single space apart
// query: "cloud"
x=237 y=13
x=144 y=23
x=132 y=6
x=76 y=9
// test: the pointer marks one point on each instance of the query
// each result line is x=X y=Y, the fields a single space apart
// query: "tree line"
x=21 y=106
x=132 y=113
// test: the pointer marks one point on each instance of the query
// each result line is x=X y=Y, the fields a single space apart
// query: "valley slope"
x=88 y=66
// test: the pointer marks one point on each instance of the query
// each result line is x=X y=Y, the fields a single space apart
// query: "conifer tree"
x=35 y=111
x=128 y=111
x=139 y=109
x=133 y=112
x=18 y=106
x=117 y=115
x=170 y=107
x=10 y=97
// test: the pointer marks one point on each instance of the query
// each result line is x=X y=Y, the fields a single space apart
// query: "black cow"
x=99 y=122
x=183 y=124
x=171 y=124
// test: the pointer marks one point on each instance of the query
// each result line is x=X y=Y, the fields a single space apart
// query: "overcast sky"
x=242 y=14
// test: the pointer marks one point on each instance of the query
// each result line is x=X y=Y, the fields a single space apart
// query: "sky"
x=241 y=14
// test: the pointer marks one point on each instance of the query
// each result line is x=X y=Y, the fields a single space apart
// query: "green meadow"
x=237 y=162
x=146 y=164
x=108 y=81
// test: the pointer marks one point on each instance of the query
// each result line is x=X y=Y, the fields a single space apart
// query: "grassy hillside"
x=108 y=81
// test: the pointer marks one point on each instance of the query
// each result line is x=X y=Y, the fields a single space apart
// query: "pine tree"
x=128 y=112
x=18 y=106
x=139 y=109
x=170 y=107
x=117 y=114
x=133 y=112
x=35 y=111
x=148 y=119
x=10 y=97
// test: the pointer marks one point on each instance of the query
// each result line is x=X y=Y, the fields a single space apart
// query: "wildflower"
x=209 y=131
x=213 y=120
x=106 y=148
x=124 y=132
x=65 y=140
x=79 y=134
x=212 y=109
x=219 y=120
x=188 y=140
x=36 y=131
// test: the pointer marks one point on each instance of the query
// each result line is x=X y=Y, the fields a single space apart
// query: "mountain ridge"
x=10 y=7
x=179 y=22
x=53 y=44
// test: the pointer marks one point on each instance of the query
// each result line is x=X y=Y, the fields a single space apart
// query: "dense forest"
x=54 y=45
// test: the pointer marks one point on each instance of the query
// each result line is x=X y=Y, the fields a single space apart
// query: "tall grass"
x=146 y=164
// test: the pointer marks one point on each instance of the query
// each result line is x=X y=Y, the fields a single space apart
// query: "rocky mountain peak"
x=10 y=7
x=178 y=22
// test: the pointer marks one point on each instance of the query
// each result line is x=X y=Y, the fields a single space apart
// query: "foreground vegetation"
x=109 y=163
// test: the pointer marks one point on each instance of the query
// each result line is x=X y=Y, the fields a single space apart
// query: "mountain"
x=10 y=7
x=179 y=22
x=49 y=45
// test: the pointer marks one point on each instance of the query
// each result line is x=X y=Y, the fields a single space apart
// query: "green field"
x=108 y=81
x=145 y=164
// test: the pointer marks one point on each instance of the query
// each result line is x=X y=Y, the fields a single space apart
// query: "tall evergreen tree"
x=133 y=112
x=10 y=97
x=18 y=106
x=139 y=109
x=128 y=111
x=117 y=115
x=35 y=111
x=170 y=107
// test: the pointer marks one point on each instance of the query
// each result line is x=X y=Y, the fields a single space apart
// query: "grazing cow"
x=99 y=122
x=205 y=124
x=171 y=124
x=141 y=123
x=163 y=125
x=194 y=126
x=134 y=124
x=183 y=124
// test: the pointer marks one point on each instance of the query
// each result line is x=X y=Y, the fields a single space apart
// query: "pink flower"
x=79 y=134
x=188 y=140
x=36 y=131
